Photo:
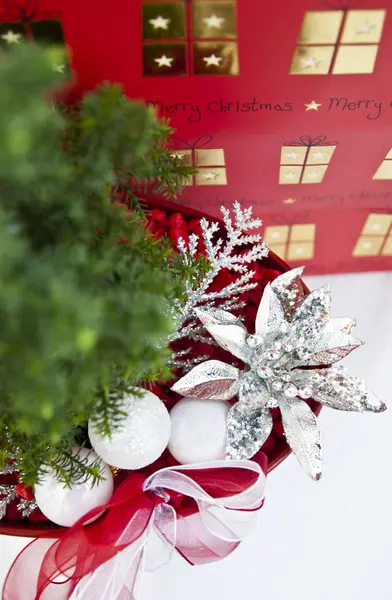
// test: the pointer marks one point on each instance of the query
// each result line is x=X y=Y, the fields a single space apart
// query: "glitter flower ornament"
x=290 y=358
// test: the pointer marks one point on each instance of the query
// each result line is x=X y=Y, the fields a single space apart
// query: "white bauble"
x=141 y=437
x=198 y=430
x=66 y=505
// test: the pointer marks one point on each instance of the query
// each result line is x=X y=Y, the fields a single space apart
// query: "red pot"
x=25 y=528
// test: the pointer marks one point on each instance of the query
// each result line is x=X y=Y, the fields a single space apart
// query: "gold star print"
x=177 y=155
x=11 y=38
x=289 y=175
x=289 y=201
x=214 y=21
x=211 y=175
x=159 y=22
x=164 y=61
x=292 y=155
x=313 y=105
x=313 y=175
x=212 y=60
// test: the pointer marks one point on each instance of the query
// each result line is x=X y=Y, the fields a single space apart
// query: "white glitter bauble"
x=198 y=430
x=140 y=439
x=66 y=505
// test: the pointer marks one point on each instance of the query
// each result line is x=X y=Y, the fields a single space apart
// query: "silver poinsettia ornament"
x=288 y=360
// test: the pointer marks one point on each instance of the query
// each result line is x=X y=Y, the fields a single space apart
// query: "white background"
x=330 y=540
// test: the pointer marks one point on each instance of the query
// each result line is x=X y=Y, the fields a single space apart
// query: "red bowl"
x=25 y=528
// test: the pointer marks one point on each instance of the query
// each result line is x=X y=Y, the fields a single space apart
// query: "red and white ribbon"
x=203 y=511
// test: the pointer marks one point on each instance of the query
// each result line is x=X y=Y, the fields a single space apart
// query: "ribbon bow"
x=201 y=141
x=306 y=140
x=203 y=511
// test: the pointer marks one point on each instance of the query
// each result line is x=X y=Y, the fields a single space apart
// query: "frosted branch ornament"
x=290 y=359
x=221 y=253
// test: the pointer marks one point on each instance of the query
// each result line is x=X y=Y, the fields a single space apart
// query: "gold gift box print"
x=340 y=42
x=209 y=162
x=291 y=242
x=189 y=37
x=376 y=236
x=304 y=164
x=384 y=171
x=48 y=32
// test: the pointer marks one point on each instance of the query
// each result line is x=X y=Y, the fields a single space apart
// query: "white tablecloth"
x=330 y=540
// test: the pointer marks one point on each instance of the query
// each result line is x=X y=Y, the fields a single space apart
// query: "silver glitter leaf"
x=270 y=319
x=246 y=432
x=253 y=393
x=336 y=388
x=303 y=434
x=331 y=348
x=315 y=307
x=231 y=338
x=289 y=289
x=216 y=316
x=211 y=380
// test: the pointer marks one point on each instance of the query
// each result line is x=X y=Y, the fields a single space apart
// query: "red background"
x=106 y=42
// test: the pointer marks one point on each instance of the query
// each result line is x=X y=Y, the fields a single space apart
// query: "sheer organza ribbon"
x=203 y=511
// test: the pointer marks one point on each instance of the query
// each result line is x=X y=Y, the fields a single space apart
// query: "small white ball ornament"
x=198 y=430
x=66 y=505
x=141 y=437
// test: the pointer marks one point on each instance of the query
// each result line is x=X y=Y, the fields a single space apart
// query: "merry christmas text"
x=373 y=108
x=194 y=112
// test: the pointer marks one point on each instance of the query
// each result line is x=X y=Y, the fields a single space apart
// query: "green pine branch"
x=85 y=293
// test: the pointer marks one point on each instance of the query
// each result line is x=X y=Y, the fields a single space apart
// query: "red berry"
x=176 y=233
x=158 y=215
x=194 y=224
x=176 y=220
